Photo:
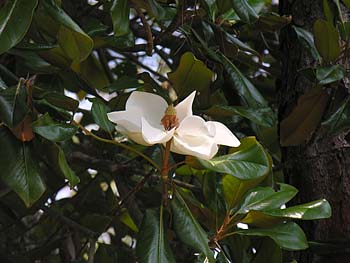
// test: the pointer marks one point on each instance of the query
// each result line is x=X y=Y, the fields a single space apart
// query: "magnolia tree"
x=143 y=131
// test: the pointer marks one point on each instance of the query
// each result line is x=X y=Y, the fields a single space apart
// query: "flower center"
x=170 y=120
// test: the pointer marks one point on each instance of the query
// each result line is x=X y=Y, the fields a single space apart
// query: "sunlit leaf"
x=288 y=236
x=246 y=162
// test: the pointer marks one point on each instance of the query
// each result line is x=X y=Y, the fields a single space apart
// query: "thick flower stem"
x=164 y=173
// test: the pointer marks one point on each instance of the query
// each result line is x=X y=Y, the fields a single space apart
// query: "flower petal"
x=222 y=135
x=153 y=135
x=184 y=108
x=128 y=120
x=202 y=147
x=193 y=125
x=151 y=106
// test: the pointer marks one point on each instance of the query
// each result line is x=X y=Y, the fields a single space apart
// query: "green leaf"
x=152 y=245
x=92 y=72
x=99 y=113
x=346 y=3
x=263 y=116
x=15 y=19
x=326 y=40
x=245 y=12
x=20 y=169
x=68 y=173
x=288 y=236
x=266 y=198
x=188 y=229
x=310 y=211
x=120 y=16
x=13 y=104
x=304 y=118
x=53 y=131
x=124 y=82
x=340 y=119
x=329 y=74
x=248 y=161
x=75 y=43
x=328 y=12
x=307 y=40
x=61 y=101
x=249 y=94
x=235 y=188
x=190 y=75
x=126 y=219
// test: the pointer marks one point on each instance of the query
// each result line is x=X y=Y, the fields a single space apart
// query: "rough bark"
x=319 y=168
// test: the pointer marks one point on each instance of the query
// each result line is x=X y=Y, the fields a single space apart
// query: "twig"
x=148 y=30
x=92 y=250
x=54 y=214
x=135 y=60
x=87 y=132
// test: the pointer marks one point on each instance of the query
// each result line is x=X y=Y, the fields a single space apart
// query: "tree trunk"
x=319 y=168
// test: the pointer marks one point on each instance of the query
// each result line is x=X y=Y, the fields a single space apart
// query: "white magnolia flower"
x=144 y=122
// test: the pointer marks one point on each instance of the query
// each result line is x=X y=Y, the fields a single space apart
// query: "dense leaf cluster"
x=72 y=189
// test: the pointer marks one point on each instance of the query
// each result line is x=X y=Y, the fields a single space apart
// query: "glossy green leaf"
x=340 y=119
x=152 y=244
x=68 y=173
x=75 y=43
x=188 y=229
x=92 y=72
x=329 y=74
x=53 y=131
x=249 y=94
x=326 y=40
x=15 y=19
x=120 y=16
x=248 y=161
x=190 y=75
x=61 y=101
x=99 y=112
x=246 y=90
x=13 y=105
x=124 y=82
x=273 y=22
x=245 y=12
x=20 y=169
x=266 y=198
x=299 y=125
x=263 y=116
x=241 y=45
x=235 y=188
x=310 y=211
x=288 y=236
x=307 y=40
